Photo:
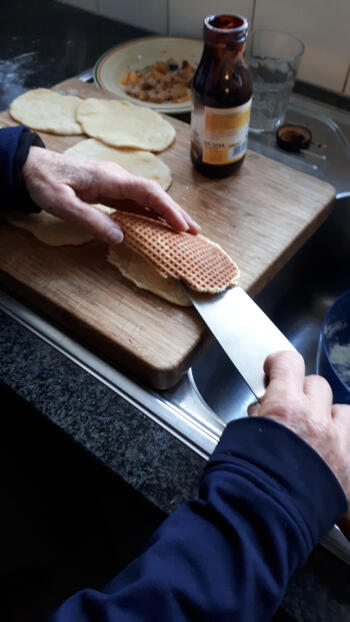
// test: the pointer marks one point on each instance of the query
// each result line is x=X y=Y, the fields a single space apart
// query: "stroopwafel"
x=194 y=259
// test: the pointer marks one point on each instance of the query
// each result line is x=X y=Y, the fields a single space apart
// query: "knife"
x=248 y=335
x=243 y=330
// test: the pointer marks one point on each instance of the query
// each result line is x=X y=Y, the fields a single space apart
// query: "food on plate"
x=123 y=124
x=137 y=162
x=46 y=110
x=52 y=230
x=138 y=270
x=160 y=82
x=193 y=259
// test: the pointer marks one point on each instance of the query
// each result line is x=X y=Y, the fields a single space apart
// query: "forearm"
x=15 y=143
x=230 y=554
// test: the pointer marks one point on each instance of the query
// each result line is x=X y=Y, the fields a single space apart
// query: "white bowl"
x=112 y=66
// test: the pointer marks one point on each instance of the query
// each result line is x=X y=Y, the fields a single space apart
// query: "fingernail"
x=115 y=236
x=194 y=223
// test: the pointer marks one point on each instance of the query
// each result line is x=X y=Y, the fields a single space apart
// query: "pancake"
x=138 y=270
x=52 y=230
x=43 y=109
x=141 y=163
x=122 y=124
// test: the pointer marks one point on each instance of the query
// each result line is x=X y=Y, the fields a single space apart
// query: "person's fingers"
x=108 y=183
x=344 y=525
x=284 y=370
x=253 y=409
x=317 y=389
x=148 y=193
x=284 y=374
x=126 y=205
x=156 y=199
x=129 y=205
x=91 y=218
x=194 y=227
x=99 y=182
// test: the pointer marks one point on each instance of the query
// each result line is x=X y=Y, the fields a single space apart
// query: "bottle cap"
x=293 y=137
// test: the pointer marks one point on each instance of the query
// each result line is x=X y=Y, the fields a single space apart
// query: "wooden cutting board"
x=261 y=216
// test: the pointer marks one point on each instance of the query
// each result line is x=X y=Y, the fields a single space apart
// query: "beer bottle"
x=222 y=92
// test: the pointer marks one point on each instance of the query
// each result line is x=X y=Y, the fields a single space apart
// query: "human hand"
x=66 y=186
x=304 y=404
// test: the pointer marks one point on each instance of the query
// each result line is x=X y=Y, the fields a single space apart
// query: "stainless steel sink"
x=296 y=300
x=300 y=294
x=212 y=393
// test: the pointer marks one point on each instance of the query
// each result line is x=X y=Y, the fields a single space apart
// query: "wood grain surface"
x=261 y=216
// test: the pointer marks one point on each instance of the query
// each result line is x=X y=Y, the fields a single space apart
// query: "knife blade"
x=243 y=330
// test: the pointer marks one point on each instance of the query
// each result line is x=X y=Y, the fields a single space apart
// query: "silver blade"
x=243 y=330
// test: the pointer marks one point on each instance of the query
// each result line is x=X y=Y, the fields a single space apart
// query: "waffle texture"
x=194 y=259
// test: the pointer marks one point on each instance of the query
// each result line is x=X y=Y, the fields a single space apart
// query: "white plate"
x=112 y=66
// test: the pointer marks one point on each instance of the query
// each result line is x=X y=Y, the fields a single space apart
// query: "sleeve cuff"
x=292 y=470
x=15 y=143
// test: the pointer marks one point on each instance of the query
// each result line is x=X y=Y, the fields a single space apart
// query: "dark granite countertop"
x=42 y=43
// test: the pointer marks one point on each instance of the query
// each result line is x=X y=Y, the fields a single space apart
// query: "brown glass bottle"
x=221 y=91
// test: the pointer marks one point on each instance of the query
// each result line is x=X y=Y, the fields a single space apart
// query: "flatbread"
x=122 y=124
x=136 y=269
x=141 y=163
x=43 y=109
x=52 y=230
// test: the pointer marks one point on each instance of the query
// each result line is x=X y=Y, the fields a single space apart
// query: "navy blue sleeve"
x=15 y=143
x=265 y=499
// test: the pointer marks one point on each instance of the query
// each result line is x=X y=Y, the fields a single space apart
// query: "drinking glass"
x=273 y=58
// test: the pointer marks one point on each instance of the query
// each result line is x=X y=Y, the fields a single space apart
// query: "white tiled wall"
x=186 y=16
x=323 y=26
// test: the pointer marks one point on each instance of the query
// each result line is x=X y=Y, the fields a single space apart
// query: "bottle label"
x=221 y=133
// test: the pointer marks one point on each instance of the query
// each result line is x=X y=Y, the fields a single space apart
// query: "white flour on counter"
x=14 y=72
x=339 y=355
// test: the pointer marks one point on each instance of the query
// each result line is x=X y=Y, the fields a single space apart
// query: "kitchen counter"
x=41 y=44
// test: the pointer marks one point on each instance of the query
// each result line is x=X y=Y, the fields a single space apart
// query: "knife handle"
x=344 y=525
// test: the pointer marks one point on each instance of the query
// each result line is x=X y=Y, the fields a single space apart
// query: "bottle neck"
x=225 y=34
x=222 y=78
